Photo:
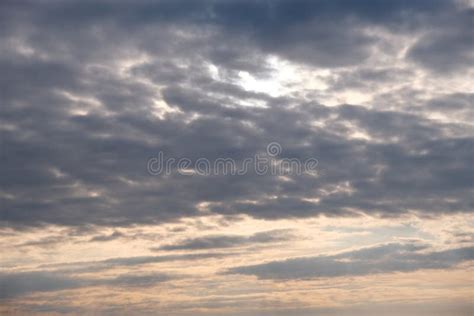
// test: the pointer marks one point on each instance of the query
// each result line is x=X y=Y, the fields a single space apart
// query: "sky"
x=97 y=96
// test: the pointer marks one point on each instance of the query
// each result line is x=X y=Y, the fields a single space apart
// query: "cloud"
x=135 y=280
x=81 y=115
x=107 y=184
x=112 y=236
x=379 y=259
x=106 y=264
x=229 y=241
x=22 y=283
x=377 y=91
x=449 y=46
x=43 y=242
x=63 y=276
x=17 y=284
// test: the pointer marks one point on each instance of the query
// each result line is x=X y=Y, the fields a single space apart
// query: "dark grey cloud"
x=411 y=157
x=44 y=242
x=457 y=105
x=63 y=276
x=323 y=33
x=135 y=280
x=449 y=46
x=112 y=236
x=416 y=152
x=77 y=129
x=366 y=78
x=379 y=259
x=23 y=283
x=439 y=308
x=229 y=241
x=107 y=264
